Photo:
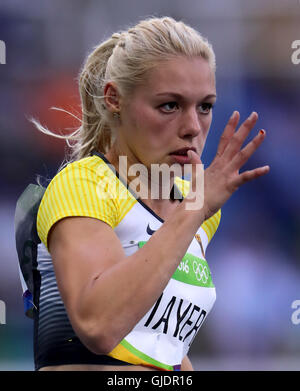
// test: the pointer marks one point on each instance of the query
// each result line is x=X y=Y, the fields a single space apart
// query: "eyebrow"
x=179 y=96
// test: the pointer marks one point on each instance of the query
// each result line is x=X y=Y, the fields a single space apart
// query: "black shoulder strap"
x=26 y=233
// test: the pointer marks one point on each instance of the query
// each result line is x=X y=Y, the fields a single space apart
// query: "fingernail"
x=232 y=115
x=251 y=116
x=262 y=132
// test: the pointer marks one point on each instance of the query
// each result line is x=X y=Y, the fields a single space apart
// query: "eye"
x=205 y=108
x=169 y=107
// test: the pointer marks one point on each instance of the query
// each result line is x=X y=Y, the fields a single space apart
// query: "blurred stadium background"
x=255 y=255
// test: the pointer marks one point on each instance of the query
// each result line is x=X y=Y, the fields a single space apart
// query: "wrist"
x=192 y=209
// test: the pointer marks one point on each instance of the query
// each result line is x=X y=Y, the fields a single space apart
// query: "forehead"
x=187 y=76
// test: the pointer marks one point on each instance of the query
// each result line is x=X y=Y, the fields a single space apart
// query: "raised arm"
x=106 y=293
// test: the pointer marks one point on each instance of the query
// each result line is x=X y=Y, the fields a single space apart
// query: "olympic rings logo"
x=201 y=272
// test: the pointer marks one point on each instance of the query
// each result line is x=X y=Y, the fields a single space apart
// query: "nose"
x=191 y=124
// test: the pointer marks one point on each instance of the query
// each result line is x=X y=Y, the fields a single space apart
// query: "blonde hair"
x=125 y=59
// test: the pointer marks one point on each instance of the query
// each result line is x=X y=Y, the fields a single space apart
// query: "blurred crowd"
x=255 y=254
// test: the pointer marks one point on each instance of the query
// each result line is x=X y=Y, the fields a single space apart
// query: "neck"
x=146 y=181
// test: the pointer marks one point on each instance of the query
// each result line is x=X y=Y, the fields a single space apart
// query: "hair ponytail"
x=94 y=131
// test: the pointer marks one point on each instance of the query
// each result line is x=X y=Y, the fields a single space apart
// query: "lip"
x=180 y=155
x=183 y=151
x=181 y=159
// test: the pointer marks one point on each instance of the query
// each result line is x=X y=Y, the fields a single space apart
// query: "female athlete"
x=122 y=282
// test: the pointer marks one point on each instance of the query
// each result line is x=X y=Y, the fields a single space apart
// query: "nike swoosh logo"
x=149 y=230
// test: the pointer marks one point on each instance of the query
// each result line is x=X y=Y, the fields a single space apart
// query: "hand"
x=222 y=177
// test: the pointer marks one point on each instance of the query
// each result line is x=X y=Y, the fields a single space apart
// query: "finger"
x=194 y=158
x=239 y=137
x=196 y=169
x=244 y=154
x=249 y=175
x=228 y=132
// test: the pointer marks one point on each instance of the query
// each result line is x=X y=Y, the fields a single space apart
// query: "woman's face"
x=171 y=110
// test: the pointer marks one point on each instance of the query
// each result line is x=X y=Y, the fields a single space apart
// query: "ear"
x=112 y=97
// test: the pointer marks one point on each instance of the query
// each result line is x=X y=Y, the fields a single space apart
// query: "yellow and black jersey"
x=91 y=187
